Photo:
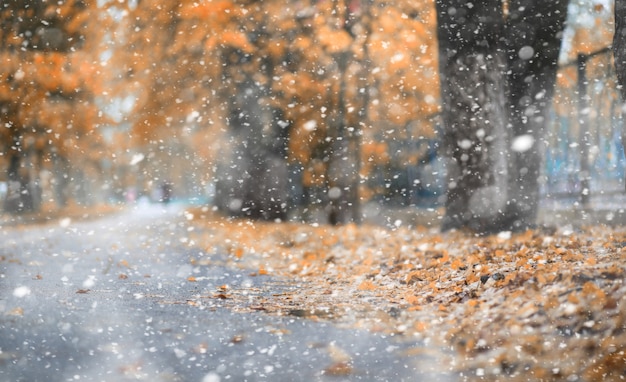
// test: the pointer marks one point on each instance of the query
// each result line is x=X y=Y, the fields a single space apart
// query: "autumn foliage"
x=131 y=94
x=174 y=67
x=48 y=84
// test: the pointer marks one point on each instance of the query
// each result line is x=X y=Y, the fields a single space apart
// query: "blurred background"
x=266 y=109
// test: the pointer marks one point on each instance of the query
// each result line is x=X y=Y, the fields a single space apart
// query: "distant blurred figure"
x=166 y=192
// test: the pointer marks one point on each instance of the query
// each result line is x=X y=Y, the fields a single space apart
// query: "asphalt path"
x=110 y=300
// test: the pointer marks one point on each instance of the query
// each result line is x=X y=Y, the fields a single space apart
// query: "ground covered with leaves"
x=50 y=213
x=541 y=305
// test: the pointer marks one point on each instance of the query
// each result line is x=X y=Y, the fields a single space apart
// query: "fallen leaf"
x=339 y=369
x=366 y=285
x=123 y=263
x=16 y=312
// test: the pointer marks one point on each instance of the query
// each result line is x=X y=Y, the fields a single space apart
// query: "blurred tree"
x=160 y=91
x=292 y=85
x=46 y=94
x=498 y=64
x=246 y=46
x=619 y=52
x=533 y=36
x=270 y=86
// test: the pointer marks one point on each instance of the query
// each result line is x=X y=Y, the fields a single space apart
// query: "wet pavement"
x=110 y=300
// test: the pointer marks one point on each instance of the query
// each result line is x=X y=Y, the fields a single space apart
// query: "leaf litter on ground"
x=541 y=305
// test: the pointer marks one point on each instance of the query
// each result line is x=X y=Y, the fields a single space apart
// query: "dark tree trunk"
x=619 y=53
x=344 y=156
x=533 y=41
x=61 y=179
x=471 y=66
x=619 y=45
x=253 y=179
x=497 y=79
x=24 y=193
x=13 y=202
x=341 y=166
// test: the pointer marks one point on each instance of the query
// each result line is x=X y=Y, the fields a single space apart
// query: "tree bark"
x=254 y=178
x=619 y=45
x=341 y=166
x=471 y=65
x=497 y=77
x=619 y=54
x=533 y=34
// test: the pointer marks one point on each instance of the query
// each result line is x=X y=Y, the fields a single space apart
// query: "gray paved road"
x=104 y=300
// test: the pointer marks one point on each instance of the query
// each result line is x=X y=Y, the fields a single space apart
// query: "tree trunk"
x=497 y=80
x=13 y=202
x=341 y=166
x=471 y=65
x=533 y=35
x=619 y=53
x=24 y=192
x=61 y=179
x=253 y=178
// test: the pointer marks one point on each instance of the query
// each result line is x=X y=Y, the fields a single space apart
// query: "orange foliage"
x=179 y=58
x=218 y=11
x=211 y=31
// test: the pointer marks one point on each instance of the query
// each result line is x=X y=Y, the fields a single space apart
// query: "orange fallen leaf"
x=16 y=312
x=411 y=299
x=238 y=252
x=591 y=261
x=237 y=338
x=457 y=264
x=420 y=326
x=367 y=285
x=339 y=369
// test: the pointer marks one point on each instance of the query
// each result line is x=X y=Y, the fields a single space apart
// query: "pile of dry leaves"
x=540 y=305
